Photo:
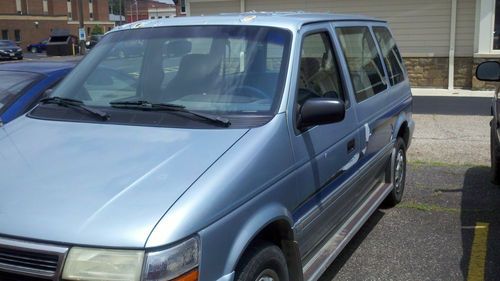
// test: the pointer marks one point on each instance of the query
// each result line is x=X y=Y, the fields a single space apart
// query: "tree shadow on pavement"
x=352 y=246
x=480 y=205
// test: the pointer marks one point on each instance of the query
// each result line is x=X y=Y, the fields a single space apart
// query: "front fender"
x=225 y=241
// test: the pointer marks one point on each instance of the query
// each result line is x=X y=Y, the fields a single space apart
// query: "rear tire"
x=263 y=262
x=398 y=173
x=495 y=156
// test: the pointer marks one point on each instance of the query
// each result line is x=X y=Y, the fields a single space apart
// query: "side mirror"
x=488 y=71
x=319 y=111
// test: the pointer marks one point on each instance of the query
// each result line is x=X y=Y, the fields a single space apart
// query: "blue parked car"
x=38 y=47
x=23 y=84
x=236 y=147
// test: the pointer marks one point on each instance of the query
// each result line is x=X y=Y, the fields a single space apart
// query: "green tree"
x=97 y=30
x=114 y=7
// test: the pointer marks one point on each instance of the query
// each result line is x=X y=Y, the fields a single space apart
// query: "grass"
x=436 y=208
x=427 y=207
x=444 y=164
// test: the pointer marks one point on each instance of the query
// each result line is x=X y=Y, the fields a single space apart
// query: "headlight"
x=176 y=263
x=103 y=265
x=19 y=49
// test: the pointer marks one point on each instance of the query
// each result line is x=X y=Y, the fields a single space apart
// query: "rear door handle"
x=351 y=145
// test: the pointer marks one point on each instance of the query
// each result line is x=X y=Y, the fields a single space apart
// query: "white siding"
x=421 y=28
x=466 y=12
x=214 y=7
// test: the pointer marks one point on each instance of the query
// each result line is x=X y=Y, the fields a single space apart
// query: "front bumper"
x=10 y=55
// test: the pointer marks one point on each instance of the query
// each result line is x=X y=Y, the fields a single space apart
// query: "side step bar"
x=318 y=264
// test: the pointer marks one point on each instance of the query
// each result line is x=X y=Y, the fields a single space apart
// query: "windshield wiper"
x=67 y=102
x=147 y=106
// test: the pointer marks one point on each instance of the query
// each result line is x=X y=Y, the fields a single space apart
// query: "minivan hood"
x=98 y=184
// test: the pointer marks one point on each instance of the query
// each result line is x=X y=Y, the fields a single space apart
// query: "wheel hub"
x=268 y=275
x=399 y=170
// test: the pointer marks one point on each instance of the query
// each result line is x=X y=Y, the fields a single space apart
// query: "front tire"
x=398 y=173
x=263 y=262
x=495 y=156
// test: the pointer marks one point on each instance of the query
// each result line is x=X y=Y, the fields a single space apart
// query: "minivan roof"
x=289 y=20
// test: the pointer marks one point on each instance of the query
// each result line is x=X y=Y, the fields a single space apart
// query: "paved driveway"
x=447 y=226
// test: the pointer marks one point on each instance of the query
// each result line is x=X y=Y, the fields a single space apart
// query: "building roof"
x=41 y=67
x=288 y=20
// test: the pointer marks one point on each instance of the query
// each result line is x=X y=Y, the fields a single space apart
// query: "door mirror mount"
x=320 y=111
x=488 y=71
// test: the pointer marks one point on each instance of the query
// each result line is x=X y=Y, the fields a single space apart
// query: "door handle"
x=351 y=145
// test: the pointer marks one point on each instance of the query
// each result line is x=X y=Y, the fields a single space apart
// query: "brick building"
x=442 y=40
x=30 y=21
x=149 y=9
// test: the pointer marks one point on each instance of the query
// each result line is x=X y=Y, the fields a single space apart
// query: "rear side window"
x=363 y=60
x=392 y=57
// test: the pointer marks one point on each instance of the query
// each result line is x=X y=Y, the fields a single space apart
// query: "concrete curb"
x=451 y=93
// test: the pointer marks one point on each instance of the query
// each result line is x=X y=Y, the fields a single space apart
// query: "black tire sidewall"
x=394 y=197
x=400 y=145
x=259 y=258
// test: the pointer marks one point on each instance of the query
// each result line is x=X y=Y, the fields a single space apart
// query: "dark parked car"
x=94 y=39
x=490 y=71
x=9 y=50
x=23 y=84
x=38 y=47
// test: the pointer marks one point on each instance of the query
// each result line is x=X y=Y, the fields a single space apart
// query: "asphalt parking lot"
x=447 y=226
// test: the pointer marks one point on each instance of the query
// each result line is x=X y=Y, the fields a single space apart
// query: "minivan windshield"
x=222 y=70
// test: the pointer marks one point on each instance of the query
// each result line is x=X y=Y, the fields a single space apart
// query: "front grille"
x=4 y=276
x=29 y=261
x=36 y=261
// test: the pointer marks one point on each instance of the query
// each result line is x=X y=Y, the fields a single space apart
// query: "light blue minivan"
x=245 y=147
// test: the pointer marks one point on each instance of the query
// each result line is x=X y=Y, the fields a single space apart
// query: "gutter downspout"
x=451 y=58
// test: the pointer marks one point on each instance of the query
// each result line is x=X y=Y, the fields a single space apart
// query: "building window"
x=90 y=1
x=45 y=6
x=5 y=34
x=19 y=8
x=183 y=6
x=70 y=16
x=91 y=16
x=496 y=33
x=17 y=35
x=88 y=31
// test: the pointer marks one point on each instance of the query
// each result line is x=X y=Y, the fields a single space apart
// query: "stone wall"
x=430 y=72
x=463 y=73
